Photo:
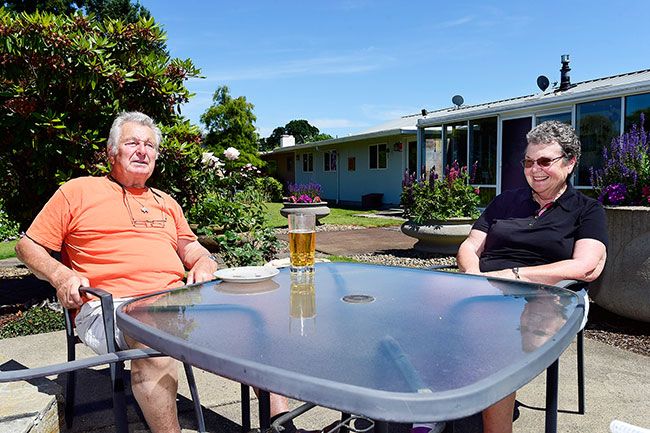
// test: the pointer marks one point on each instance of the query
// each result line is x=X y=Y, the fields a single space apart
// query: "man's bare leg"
x=154 y=382
x=498 y=417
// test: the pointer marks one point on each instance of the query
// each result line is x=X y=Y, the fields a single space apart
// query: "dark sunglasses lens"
x=527 y=163
x=544 y=162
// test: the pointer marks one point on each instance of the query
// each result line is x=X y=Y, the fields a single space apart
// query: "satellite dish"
x=542 y=82
x=457 y=100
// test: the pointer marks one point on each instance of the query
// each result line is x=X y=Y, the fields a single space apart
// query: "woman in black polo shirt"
x=544 y=233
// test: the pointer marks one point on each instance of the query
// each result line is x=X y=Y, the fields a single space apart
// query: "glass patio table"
x=397 y=345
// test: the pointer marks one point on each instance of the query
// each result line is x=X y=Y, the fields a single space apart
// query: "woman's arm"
x=586 y=264
x=470 y=252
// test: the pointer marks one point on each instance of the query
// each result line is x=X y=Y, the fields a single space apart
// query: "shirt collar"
x=566 y=201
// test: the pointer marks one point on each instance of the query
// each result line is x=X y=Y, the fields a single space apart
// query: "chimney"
x=287 y=141
x=565 y=79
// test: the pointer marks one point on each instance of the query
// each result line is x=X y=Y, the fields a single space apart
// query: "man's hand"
x=203 y=270
x=67 y=283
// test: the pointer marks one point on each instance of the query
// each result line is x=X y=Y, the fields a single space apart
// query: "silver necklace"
x=143 y=208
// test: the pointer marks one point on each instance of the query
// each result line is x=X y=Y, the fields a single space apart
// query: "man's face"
x=136 y=155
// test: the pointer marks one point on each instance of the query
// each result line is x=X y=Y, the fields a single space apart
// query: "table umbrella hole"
x=358 y=299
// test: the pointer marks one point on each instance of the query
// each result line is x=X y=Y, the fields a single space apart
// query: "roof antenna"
x=457 y=100
x=424 y=112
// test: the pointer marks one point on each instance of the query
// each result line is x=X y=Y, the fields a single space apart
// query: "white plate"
x=246 y=274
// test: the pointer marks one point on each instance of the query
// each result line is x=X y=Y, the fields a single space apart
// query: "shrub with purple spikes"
x=625 y=176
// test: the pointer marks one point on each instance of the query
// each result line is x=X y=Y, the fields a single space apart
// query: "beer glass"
x=302 y=242
x=302 y=304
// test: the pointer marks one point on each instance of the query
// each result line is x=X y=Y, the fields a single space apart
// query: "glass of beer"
x=302 y=304
x=302 y=242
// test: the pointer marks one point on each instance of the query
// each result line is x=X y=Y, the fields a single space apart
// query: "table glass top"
x=383 y=328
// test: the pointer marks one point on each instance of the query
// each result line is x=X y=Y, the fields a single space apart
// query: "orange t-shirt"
x=88 y=220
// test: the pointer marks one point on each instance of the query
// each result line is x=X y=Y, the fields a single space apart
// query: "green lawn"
x=7 y=249
x=337 y=216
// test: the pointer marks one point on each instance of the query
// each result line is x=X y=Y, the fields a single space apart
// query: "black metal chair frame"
x=115 y=358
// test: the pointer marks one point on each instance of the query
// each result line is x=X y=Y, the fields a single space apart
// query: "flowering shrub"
x=305 y=192
x=625 y=176
x=233 y=212
x=432 y=198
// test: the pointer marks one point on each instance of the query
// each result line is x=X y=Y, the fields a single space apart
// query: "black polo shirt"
x=517 y=237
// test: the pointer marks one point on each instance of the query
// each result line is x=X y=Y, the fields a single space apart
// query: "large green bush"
x=8 y=228
x=63 y=79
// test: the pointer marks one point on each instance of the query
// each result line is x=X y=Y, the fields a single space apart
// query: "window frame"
x=308 y=162
x=377 y=153
x=330 y=161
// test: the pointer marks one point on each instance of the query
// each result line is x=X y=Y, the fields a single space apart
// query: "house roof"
x=638 y=81
x=402 y=125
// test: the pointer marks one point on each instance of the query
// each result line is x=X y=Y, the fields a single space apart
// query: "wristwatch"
x=515 y=271
x=217 y=259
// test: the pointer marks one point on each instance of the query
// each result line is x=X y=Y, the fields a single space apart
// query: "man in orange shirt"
x=117 y=234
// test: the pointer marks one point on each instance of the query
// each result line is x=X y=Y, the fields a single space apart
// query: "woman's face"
x=547 y=181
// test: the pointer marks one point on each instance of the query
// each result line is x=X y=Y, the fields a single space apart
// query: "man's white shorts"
x=90 y=326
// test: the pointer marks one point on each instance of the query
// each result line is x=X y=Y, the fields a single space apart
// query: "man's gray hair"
x=127 y=117
x=558 y=132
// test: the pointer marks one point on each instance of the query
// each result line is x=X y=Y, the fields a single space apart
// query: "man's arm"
x=197 y=259
x=44 y=266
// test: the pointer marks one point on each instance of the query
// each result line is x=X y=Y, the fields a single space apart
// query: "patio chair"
x=114 y=358
x=552 y=370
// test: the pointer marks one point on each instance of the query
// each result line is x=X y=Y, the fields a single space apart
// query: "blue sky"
x=348 y=65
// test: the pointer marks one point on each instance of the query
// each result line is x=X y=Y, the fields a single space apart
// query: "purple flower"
x=613 y=194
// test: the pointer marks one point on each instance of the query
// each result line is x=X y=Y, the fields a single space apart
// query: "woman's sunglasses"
x=542 y=162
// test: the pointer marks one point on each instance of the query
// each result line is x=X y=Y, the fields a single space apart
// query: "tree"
x=322 y=136
x=116 y=9
x=230 y=122
x=301 y=130
x=63 y=80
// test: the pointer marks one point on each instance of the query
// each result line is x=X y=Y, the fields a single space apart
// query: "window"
x=352 y=163
x=308 y=162
x=598 y=123
x=483 y=150
x=560 y=117
x=378 y=156
x=456 y=143
x=634 y=106
x=329 y=160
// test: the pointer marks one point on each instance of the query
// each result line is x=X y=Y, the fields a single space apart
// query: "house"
x=492 y=134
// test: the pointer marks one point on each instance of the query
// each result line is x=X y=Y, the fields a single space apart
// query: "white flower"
x=231 y=153
x=207 y=157
x=212 y=161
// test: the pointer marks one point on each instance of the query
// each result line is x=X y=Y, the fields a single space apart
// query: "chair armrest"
x=106 y=302
x=574 y=285
x=93 y=361
x=440 y=267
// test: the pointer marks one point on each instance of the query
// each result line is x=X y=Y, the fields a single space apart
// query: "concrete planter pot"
x=319 y=209
x=443 y=237
x=624 y=286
